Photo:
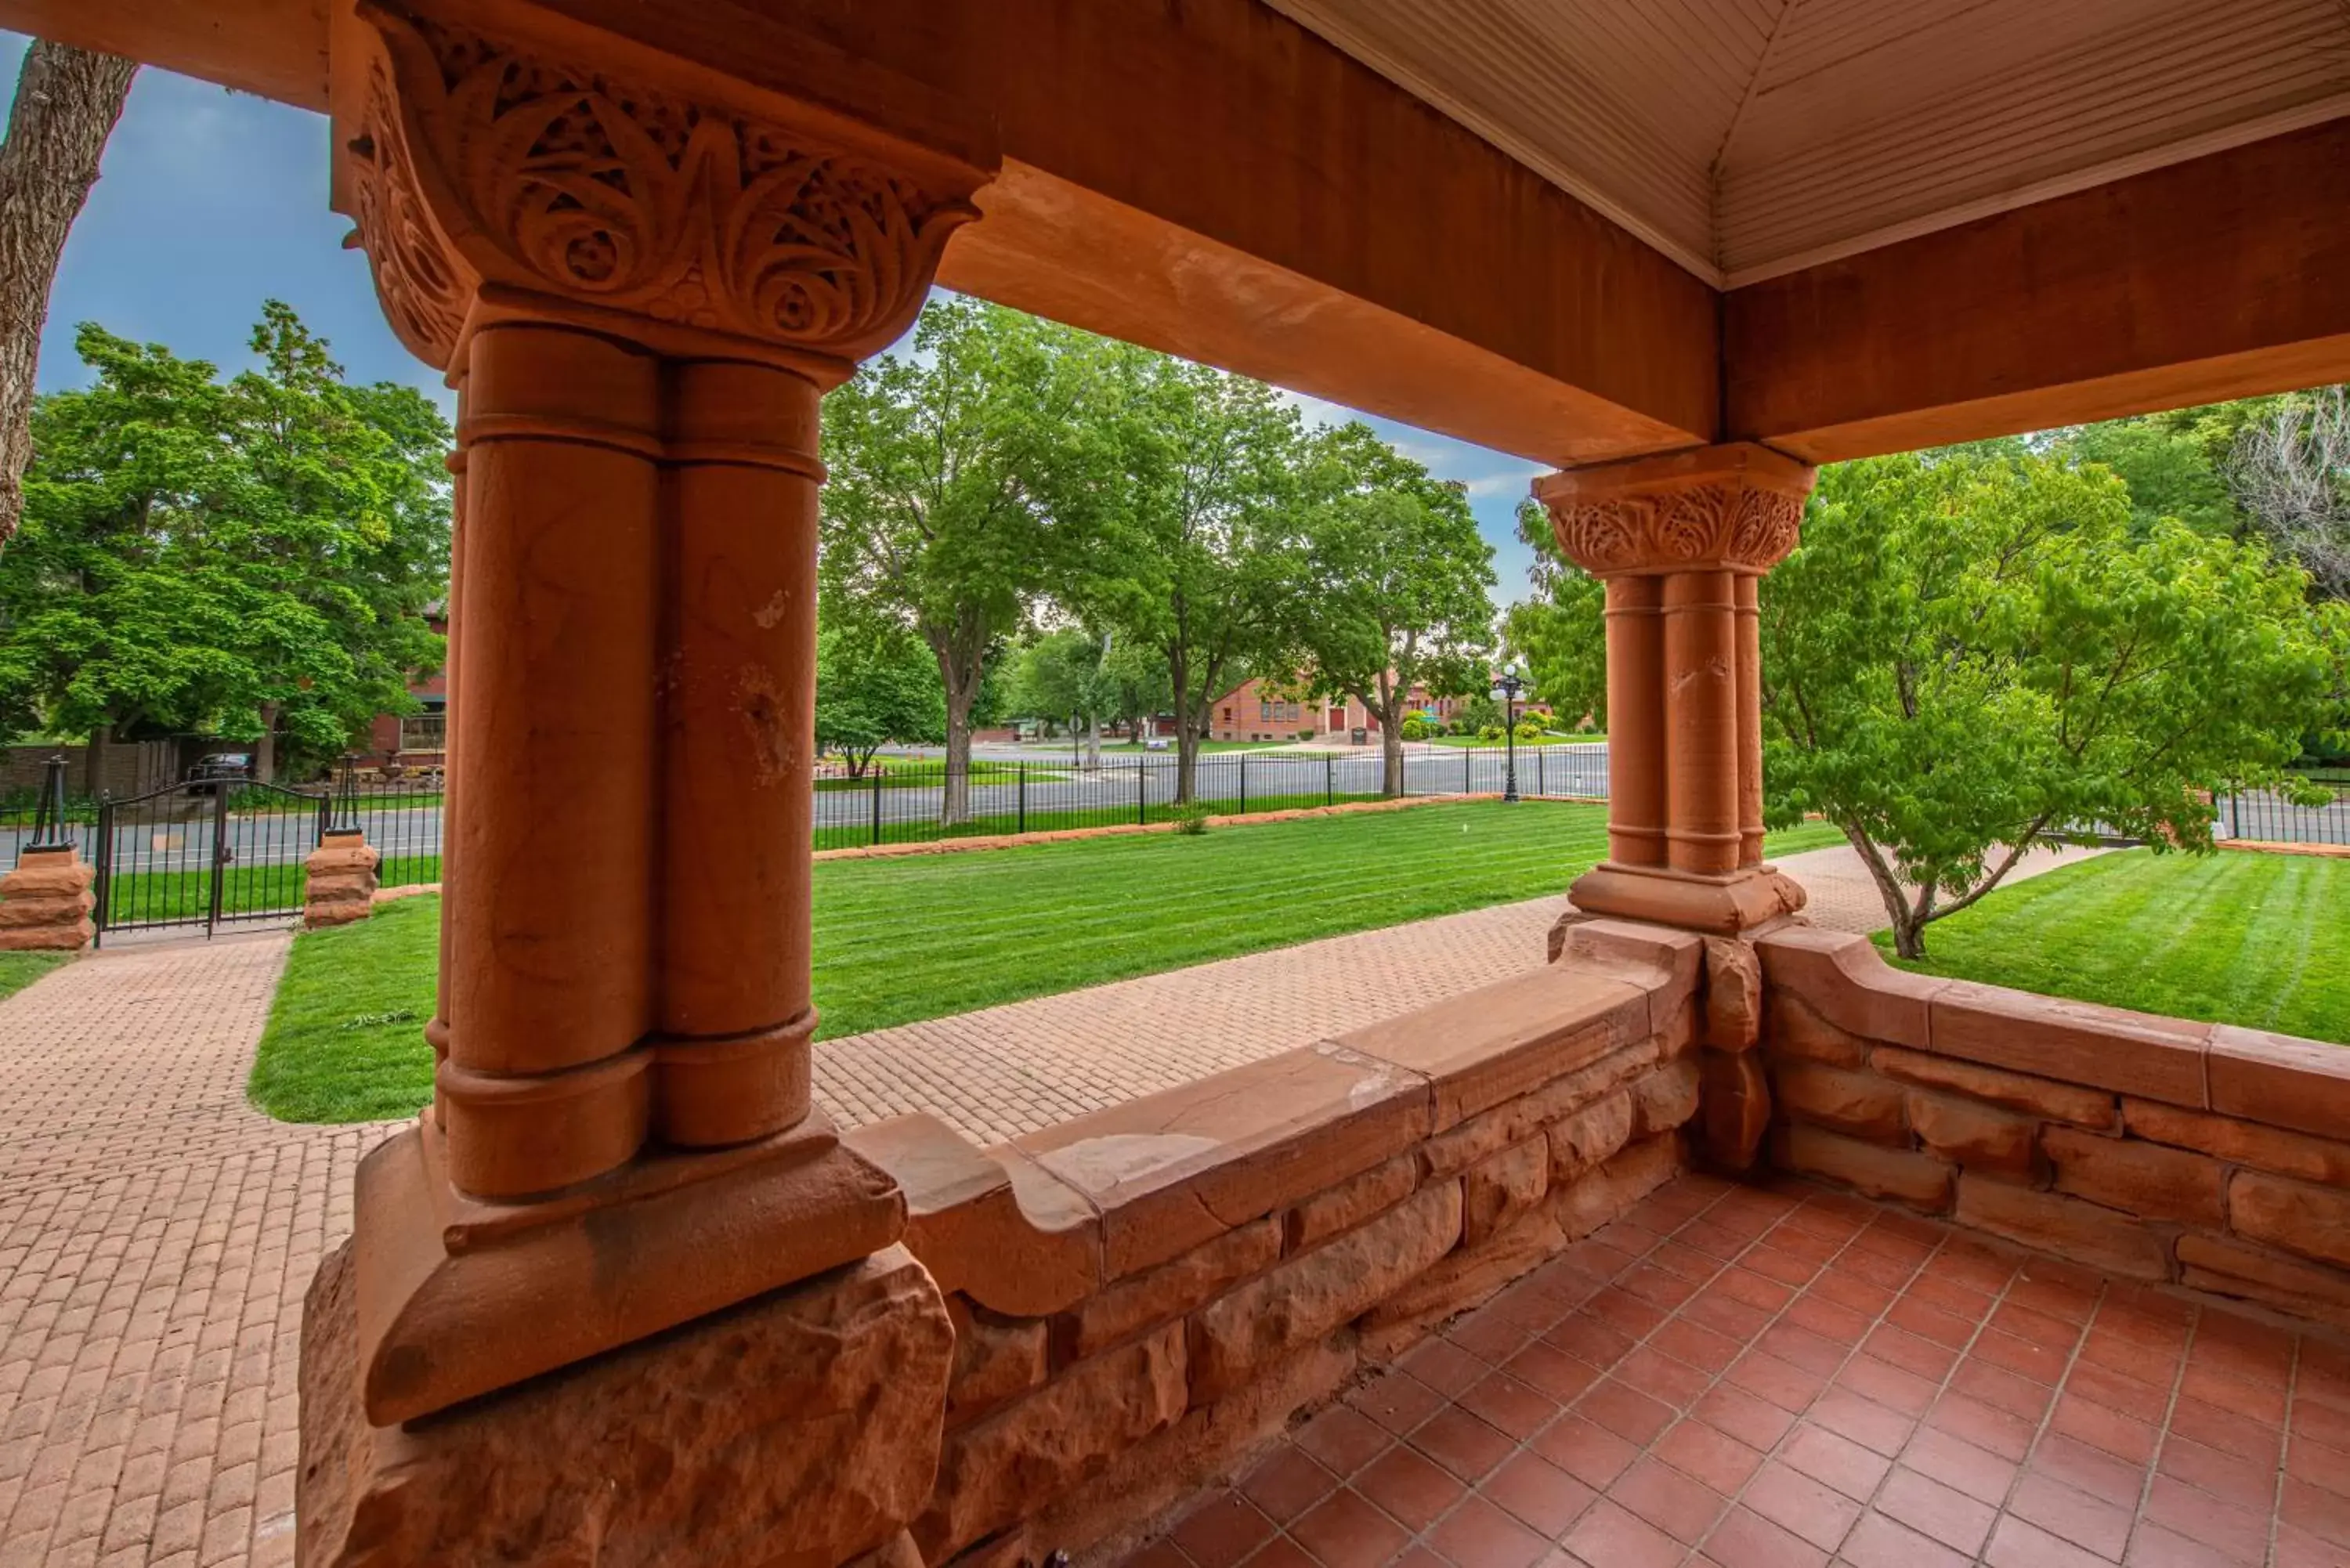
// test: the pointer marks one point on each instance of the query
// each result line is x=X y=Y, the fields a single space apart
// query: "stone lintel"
x=455 y=1299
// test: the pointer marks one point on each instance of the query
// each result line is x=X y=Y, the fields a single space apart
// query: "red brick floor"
x=1787 y=1379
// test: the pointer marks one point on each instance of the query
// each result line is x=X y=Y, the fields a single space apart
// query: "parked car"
x=221 y=767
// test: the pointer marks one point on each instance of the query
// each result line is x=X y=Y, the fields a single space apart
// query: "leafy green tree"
x=235 y=557
x=1066 y=675
x=872 y=691
x=959 y=488
x=1196 y=561
x=1398 y=592
x=1970 y=650
x=1562 y=634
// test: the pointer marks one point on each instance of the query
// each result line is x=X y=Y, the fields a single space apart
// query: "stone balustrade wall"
x=2157 y=1148
x=1144 y=1297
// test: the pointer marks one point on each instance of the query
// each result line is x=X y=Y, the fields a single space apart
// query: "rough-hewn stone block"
x=1735 y=1107
x=814 y=1413
x=1796 y=1029
x=1035 y=1449
x=1973 y=1133
x=1586 y=1204
x=2145 y=1178
x=2313 y=1221
x=1170 y=1289
x=1590 y=1136
x=1664 y=1099
x=1352 y=1201
x=2033 y=1097
x=1869 y=1168
x=1858 y=1104
x=1733 y=994
x=1515 y=1120
x=2318 y=1159
x=995 y=1358
x=1312 y=1293
x=2232 y=1268
x=1501 y=1187
x=2077 y=1231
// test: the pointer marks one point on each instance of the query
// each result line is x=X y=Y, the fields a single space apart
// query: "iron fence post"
x=1539 y=787
x=1142 y=792
x=1468 y=773
x=1329 y=780
x=1243 y=808
x=50 y=830
x=945 y=781
x=219 y=854
x=105 y=864
x=1022 y=822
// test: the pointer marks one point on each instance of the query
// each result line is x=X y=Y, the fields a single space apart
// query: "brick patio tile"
x=1783 y=1383
x=1222 y=1531
x=1879 y=1540
x=1624 y=1410
x=1287 y=1483
x=1344 y=1531
x=1509 y=1406
x=1793 y=1500
x=1551 y=1371
x=2018 y=1544
x=1586 y=1450
x=2201 y=1517
x=1709 y=1454
x=1835 y=1460
x=1748 y=1417
x=2071 y=1515
x=1344 y=1439
x=1396 y=1402
x=1683 y=1508
x=1959 y=1465
x=1411 y=1486
x=1744 y=1538
x=1985 y=1425
x=2226 y=1430
x=2246 y=1483
x=1477 y=1534
x=1864 y=1422
x=1609 y=1536
x=1461 y=1443
x=1537 y=1491
x=1929 y=1507
x=1442 y=1365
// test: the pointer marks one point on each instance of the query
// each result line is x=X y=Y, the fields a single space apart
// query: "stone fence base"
x=46 y=903
x=341 y=881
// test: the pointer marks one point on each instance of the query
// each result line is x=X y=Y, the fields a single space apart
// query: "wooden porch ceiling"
x=1219 y=181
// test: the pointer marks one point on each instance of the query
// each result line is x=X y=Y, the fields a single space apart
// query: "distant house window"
x=424 y=732
x=1228 y=712
x=1263 y=712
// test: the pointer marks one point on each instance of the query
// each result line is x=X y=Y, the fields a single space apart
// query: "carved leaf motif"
x=1728 y=524
x=563 y=181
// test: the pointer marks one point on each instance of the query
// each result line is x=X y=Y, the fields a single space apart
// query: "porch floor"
x=1764 y=1379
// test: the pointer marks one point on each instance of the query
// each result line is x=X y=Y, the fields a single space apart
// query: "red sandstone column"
x=738 y=747
x=1681 y=542
x=1701 y=692
x=552 y=980
x=1636 y=741
x=1749 y=719
x=436 y=1033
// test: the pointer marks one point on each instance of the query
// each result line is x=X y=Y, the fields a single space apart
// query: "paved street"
x=156 y=1233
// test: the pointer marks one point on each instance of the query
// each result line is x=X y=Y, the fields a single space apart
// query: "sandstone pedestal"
x=797 y=1430
x=46 y=903
x=341 y=881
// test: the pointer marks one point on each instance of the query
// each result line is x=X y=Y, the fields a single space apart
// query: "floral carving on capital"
x=1726 y=525
x=480 y=162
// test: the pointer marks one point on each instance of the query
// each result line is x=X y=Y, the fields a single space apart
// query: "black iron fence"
x=2271 y=817
x=909 y=800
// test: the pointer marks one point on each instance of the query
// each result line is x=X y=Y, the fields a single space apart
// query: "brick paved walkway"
x=1729 y=1378
x=156 y=1233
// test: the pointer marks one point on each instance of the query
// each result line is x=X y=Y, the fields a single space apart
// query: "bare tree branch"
x=2290 y=472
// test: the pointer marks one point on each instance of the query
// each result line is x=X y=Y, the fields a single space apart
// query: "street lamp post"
x=1507 y=688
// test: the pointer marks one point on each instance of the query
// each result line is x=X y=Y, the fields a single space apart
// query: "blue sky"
x=210 y=202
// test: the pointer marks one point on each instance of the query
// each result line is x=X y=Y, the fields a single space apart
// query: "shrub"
x=1306 y=733
x=1190 y=817
x=1415 y=728
x=1489 y=732
x=1529 y=731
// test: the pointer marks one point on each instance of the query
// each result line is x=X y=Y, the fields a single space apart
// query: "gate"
x=208 y=852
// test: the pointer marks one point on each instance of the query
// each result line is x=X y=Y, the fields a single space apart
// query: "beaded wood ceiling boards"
x=478 y=163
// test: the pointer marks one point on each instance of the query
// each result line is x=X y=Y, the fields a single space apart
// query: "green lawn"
x=2256 y=940
x=925 y=936
x=18 y=971
x=1472 y=741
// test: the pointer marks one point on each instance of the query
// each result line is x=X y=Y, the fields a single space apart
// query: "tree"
x=1196 y=561
x=1068 y=674
x=1968 y=650
x=874 y=691
x=1563 y=634
x=958 y=493
x=1399 y=589
x=67 y=102
x=225 y=556
x=2290 y=471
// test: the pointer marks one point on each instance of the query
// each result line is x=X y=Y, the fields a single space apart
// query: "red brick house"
x=411 y=742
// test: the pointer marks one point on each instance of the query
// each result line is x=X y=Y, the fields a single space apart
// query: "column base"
x=1730 y=904
x=457 y=1297
x=799 y=1431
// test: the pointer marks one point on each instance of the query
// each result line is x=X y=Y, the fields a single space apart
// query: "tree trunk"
x=1392 y=750
x=1093 y=742
x=94 y=760
x=67 y=100
x=963 y=690
x=1187 y=739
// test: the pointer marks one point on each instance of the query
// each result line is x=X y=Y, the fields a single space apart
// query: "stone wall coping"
x=1029 y=1227
x=2280 y=1080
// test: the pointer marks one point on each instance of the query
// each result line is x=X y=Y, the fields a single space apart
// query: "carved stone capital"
x=579 y=179
x=1722 y=508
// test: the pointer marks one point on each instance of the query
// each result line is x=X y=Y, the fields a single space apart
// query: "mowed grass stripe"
x=2261 y=940
x=898 y=940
